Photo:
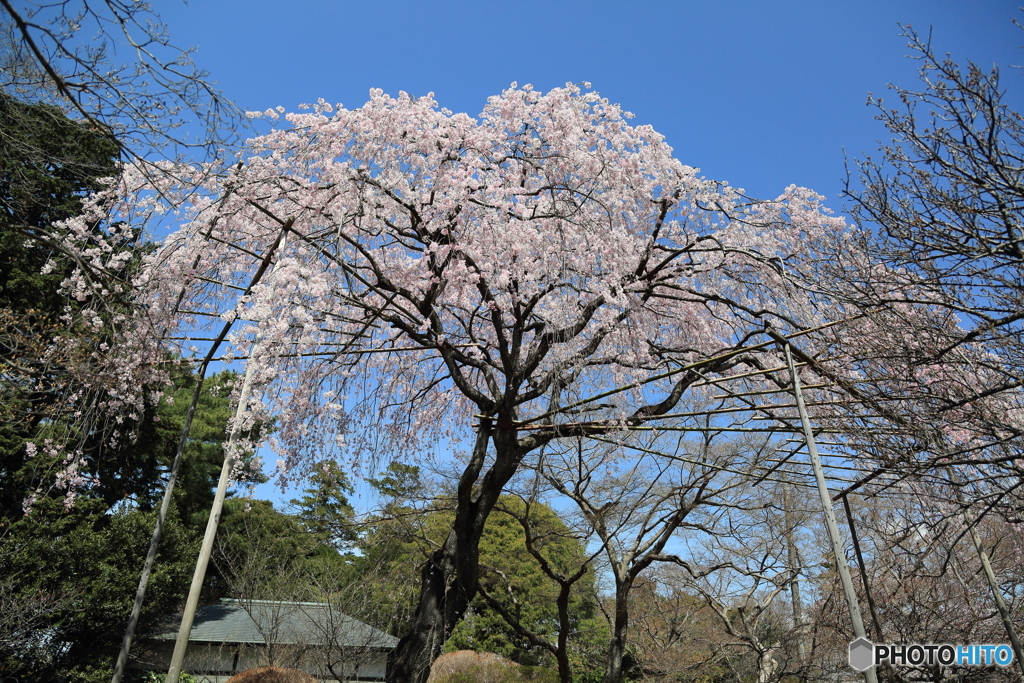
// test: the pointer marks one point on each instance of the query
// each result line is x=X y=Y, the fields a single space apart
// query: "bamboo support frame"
x=199 y=575
x=140 y=594
x=721 y=468
x=993 y=583
x=202 y=562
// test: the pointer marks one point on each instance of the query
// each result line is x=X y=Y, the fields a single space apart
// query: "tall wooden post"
x=838 y=552
x=147 y=569
x=993 y=584
x=192 y=604
x=140 y=593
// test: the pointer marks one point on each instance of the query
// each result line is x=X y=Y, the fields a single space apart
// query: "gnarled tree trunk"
x=450 y=577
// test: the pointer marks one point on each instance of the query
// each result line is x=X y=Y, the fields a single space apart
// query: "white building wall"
x=216 y=663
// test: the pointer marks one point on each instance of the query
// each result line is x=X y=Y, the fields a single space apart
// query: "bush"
x=155 y=677
x=490 y=673
x=466 y=666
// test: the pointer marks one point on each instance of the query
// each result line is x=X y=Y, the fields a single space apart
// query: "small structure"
x=235 y=635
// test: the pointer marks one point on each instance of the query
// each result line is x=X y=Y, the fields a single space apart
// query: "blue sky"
x=758 y=94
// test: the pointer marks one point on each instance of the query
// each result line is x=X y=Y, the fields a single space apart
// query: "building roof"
x=284 y=623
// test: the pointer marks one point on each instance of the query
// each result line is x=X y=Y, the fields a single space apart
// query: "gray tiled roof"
x=287 y=623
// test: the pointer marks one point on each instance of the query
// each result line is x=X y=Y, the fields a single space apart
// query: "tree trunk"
x=793 y=557
x=440 y=600
x=617 y=644
x=450 y=578
x=562 y=650
x=767 y=666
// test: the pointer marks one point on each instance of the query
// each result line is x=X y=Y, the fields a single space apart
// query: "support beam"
x=192 y=604
x=838 y=552
x=147 y=569
x=993 y=584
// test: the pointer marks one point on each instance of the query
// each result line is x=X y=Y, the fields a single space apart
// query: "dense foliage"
x=68 y=572
x=48 y=163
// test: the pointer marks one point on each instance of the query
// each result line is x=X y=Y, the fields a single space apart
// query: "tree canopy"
x=440 y=277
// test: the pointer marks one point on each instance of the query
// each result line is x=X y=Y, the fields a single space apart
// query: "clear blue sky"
x=757 y=93
x=761 y=94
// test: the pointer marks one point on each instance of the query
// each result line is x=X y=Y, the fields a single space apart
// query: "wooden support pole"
x=203 y=561
x=863 y=569
x=838 y=552
x=154 y=542
x=993 y=584
x=147 y=569
x=192 y=604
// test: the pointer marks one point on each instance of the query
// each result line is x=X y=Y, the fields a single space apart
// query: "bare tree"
x=309 y=611
x=112 y=63
x=268 y=585
x=740 y=572
x=343 y=644
x=674 y=636
x=109 y=66
x=937 y=266
x=634 y=494
x=925 y=576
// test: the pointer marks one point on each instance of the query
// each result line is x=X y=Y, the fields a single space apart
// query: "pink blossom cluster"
x=426 y=266
x=393 y=272
x=69 y=476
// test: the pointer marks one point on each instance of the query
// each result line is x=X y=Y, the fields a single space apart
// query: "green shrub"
x=155 y=677
x=539 y=674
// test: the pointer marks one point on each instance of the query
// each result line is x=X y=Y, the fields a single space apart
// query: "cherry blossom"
x=545 y=243
x=436 y=278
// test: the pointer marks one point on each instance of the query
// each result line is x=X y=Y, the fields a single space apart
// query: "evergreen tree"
x=396 y=545
x=48 y=163
x=265 y=554
x=68 y=572
x=83 y=564
x=512 y=577
x=325 y=509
